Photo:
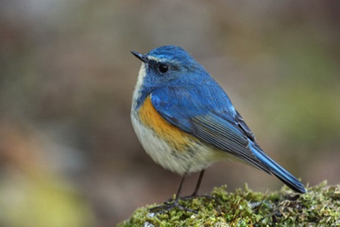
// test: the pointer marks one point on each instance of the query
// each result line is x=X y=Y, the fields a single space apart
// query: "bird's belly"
x=170 y=147
x=191 y=158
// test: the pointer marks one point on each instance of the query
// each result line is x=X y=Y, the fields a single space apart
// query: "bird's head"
x=164 y=64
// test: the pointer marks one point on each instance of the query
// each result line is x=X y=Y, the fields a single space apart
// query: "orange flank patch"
x=170 y=133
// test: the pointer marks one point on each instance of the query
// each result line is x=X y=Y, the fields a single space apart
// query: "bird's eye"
x=163 y=68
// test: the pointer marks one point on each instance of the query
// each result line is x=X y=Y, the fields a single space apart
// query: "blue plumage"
x=187 y=97
x=214 y=121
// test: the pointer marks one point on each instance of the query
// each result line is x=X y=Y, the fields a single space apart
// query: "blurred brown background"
x=68 y=153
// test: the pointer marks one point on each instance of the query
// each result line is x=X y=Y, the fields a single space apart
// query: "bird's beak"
x=141 y=57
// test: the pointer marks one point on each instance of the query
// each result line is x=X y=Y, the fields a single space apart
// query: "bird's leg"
x=198 y=185
x=169 y=205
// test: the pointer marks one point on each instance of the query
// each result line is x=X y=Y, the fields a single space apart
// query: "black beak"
x=141 y=57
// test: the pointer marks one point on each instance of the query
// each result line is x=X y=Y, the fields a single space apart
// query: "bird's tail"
x=277 y=170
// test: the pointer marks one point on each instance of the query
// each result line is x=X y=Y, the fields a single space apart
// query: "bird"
x=186 y=122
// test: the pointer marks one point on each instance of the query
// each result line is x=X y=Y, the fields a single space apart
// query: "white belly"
x=198 y=155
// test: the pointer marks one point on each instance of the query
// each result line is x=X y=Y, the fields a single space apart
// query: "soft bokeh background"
x=68 y=153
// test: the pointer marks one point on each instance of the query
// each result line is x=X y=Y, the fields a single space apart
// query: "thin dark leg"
x=169 y=205
x=180 y=187
x=198 y=185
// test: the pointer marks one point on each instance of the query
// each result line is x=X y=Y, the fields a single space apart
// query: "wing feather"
x=226 y=136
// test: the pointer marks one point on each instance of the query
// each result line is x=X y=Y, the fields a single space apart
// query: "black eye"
x=163 y=68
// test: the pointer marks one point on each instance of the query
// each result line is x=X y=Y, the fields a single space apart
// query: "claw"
x=169 y=206
x=196 y=196
x=173 y=203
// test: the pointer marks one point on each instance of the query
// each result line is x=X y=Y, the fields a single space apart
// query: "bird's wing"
x=244 y=127
x=209 y=115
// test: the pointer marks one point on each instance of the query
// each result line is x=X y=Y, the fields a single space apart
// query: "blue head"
x=167 y=63
x=166 y=66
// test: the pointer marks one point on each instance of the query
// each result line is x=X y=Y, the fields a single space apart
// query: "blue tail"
x=277 y=170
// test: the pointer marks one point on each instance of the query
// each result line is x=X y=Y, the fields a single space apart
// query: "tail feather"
x=277 y=170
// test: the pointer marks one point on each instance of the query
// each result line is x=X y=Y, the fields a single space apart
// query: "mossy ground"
x=320 y=206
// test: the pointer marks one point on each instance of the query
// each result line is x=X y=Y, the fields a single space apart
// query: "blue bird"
x=186 y=122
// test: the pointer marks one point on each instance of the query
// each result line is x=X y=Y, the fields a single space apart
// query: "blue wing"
x=205 y=111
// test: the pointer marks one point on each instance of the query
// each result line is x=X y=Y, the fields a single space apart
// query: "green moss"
x=319 y=206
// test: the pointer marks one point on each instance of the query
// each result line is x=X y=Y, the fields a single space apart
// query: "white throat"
x=136 y=93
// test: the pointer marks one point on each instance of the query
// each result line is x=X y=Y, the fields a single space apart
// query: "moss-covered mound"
x=320 y=206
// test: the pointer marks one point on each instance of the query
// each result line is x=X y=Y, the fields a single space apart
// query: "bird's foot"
x=194 y=196
x=169 y=205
